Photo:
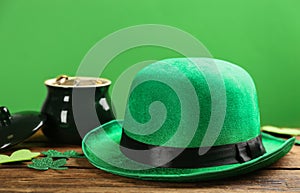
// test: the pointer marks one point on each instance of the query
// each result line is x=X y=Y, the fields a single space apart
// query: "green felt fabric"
x=163 y=109
x=101 y=147
x=161 y=81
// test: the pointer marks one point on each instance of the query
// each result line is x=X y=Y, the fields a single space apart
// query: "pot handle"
x=61 y=79
x=4 y=117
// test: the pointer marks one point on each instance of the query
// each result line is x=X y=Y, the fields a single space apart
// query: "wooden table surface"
x=83 y=177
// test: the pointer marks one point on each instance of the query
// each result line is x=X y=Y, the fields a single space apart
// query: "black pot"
x=74 y=106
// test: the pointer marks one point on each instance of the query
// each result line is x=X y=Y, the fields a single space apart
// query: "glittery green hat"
x=186 y=119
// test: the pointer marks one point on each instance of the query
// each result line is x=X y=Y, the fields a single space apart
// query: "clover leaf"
x=57 y=164
x=53 y=153
x=73 y=154
x=67 y=154
x=48 y=163
x=282 y=131
x=17 y=156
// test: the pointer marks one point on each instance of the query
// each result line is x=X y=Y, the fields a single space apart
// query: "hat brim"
x=101 y=147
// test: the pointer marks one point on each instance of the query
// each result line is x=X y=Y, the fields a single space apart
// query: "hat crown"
x=187 y=102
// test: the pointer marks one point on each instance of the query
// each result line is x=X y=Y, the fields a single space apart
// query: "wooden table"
x=83 y=177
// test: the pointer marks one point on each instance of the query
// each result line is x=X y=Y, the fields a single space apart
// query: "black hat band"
x=173 y=157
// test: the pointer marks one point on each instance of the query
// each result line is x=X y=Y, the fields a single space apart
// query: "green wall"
x=41 y=39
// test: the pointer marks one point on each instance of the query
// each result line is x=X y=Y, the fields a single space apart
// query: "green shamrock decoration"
x=282 y=131
x=67 y=154
x=48 y=163
x=74 y=154
x=17 y=156
x=291 y=132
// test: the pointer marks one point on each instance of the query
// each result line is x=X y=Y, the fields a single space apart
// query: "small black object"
x=74 y=106
x=18 y=127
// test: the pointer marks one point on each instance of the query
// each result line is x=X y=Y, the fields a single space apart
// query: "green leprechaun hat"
x=187 y=119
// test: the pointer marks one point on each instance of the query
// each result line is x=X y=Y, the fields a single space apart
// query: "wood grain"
x=96 y=180
x=81 y=176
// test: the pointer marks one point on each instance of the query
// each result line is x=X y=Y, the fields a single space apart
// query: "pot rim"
x=53 y=82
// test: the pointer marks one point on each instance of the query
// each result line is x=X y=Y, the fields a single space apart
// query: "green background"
x=41 y=39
